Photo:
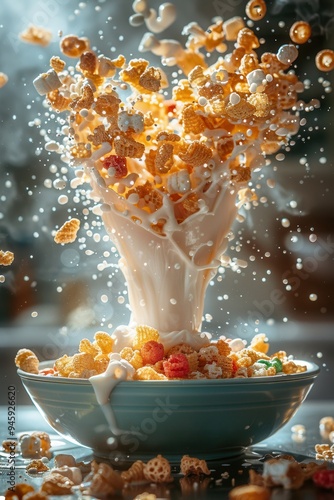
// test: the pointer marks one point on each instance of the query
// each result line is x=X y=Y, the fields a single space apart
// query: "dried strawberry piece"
x=47 y=371
x=176 y=366
x=117 y=163
x=152 y=352
x=234 y=366
x=324 y=479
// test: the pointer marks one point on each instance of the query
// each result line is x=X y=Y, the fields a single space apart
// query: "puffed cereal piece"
x=107 y=105
x=290 y=367
x=36 y=466
x=134 y=473
x=36 y=35
x=100 y=135
x=103 y=342
x=88 y=62
x=82 y=361
x=260 y=343
x=56 y=484
x=72 y=46
x=85 y=100
x=158 y=470
x=197 y=154
x=72 y=473
x=133 y=356
x=63 y=459
x=104 y=480
x=190 y=465
x=261 y=104
x=3 y=79
x=57 y=64
x=148 y=373
x=189 y=352
x=300 y=32
x=240 y=111
x=197 y=78
x=324 y=60
x=163 y=158
x=6 y=258
x=85 y=345
x=27 y=361
x=256 y=9
x=125 y=146
x=247 y=39
x=150 y=79
x=223 y=347
x=182 y=92
x=18 y=491
x=10 y=446
x=212 y=370
x=68 y=232
x=144 y=334
x=249 y=492
x=58 y=101
x=326 y=426
x=133 y=71
x=225 y=147
x=179 y=182
x=232 y=27
x=191 y=121
x=64 y=365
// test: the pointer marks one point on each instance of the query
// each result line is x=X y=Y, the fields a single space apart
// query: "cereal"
x=125 y=146
x=191 y=121
x=3 y=79
x=324 y=479
x=62 y=460
x=56 y=484
x=10 y=446
x=30 y=446
x=57 y=64
x=59 y=103
x=143 y=335
x=256 y=9
x=134 y=473
x=148 y=373
x=158 y=470
x=85 y=100
x=27 y=361
x=36 y=466
x=18 y=491
x=324 y=60
x=150 y=79
x=72 y=473
x=300 y=32
x=68 y=232
x=36 y=35
x=197 y=154
x=44 y=440
x=104 y=480
x=6 y=258
x=88 y=62
x=190 y=465
x=72 y=46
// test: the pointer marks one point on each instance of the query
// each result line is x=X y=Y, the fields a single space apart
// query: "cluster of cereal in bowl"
x=149 y=360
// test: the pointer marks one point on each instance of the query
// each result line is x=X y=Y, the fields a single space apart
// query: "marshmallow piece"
x=236 y=345
x=178 y=182
x=232 y=27
x=127 y=121
x=166 y=17
x=46 y=82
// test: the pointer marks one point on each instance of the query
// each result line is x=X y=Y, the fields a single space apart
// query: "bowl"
x=209 y=419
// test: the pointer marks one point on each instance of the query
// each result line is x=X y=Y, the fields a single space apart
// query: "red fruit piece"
x=324 y=479
x=176 y=366
x=152 y=352
x=47 y=371
x=117 y=163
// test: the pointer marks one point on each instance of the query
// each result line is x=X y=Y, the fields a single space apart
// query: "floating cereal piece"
x=47 y=82
x=232 y=27
x=81 y=150
x=300 y=32
x=125 y=146
x=190 y=465
x=144 y=334
x=134 y=473
x=260 y=343
x=256 y=9
x=103 y=342
x=6 y=258
x=249 y=492
x=57 y=64
x=163 y=158
x=186 y=207
x=68 y=232
x=158 y=470
x=197 y=154
x=324 y=60
x=179 y=182
x=247 y=39
x=27 y=361
x=107 y=105
x=56 y=484
x=166 y=136
x=72 y=46
x=133 y=71
x=151 y=79
x=191 y=121
x=131 y=122
x=261 y=103
x=100 y=135
x=88 y=62
x=197 y=78
x=86 y=99
x=63 y=459
x=225 y=147
x=3 y=79
x=36 y=35
x=58 y=101
x=240 y=111
x=182 y=92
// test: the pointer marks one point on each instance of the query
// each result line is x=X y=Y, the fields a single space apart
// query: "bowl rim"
x=312 y=371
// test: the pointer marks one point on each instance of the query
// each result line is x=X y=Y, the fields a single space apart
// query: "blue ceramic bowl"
x=204 y=418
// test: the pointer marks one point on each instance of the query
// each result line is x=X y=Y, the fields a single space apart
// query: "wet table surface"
x=225 y=473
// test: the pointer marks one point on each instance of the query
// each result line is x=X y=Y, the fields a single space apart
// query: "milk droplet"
x=285 y=222
x=121 y=299
x=313 y=238
x=63 y=199
x=2 y=278
x=104 y=298
x=34 y=314
x=313 y=297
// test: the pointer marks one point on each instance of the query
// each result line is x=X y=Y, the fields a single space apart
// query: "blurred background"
x=51 y=296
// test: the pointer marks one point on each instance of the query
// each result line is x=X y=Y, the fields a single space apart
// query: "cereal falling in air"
x=68 y=232
x=300 y=32
x=256 y=9
x=3 y=79
x=6 y=258
x=324 y=60
x=36 y=35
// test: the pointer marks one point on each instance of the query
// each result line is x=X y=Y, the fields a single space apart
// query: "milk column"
x=167 y=275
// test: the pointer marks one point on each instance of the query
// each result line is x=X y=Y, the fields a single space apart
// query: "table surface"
x=284 y=441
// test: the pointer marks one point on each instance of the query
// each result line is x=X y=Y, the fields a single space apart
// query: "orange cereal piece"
x=68 y=232
x=163 y=158
x=197 y=78
x=134 y=473
x=261 y=104
x=36 y=466
x=64 y=365
x=56 y=484
x=150 y=79
x=324 y=60
x=57 y=64
x=249 y=492
x=125 y=146
x=104 y=481
x=225 y=147
x=148 y=373
x=290 y=367
x=103 y=342
x=18 y=491
x=81 y=150
x=190 y=465
x=182 y=92
x=223 y=347
x=6 y=258
x=247 y=39
x=158 y=470
x=82 y=361
x=36 y=35
x=27 y=361
x=87 y=347
x=3 y=79
x=99 y=136
x=256 y=9
x=86 y=99
x=58 y=101
x=240 y=111
x=72 y=46
x=191 y=121
x=197 y=154
x=260 y=343
x=133 y=71
x=166 y=136
x=144 y=334
x=88 y=62
x=300 y=32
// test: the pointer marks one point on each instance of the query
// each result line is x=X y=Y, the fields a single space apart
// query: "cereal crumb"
x=36 y=35
x=68 y=232
x=6 y=258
